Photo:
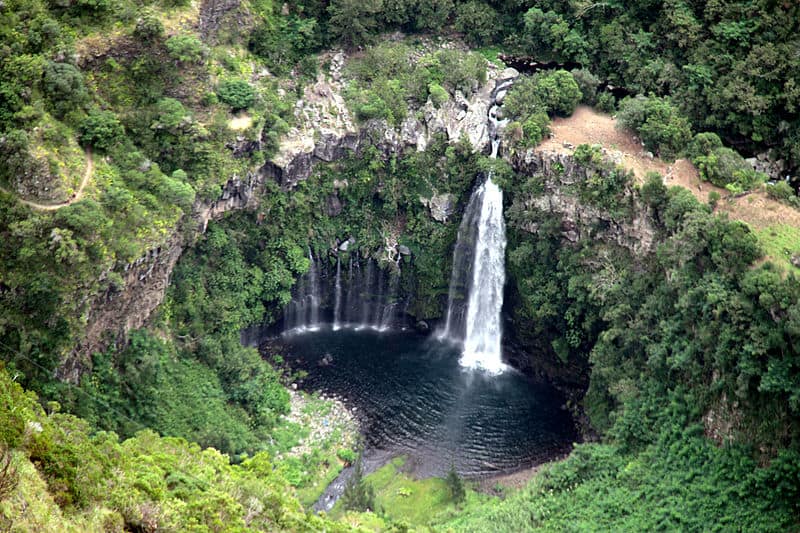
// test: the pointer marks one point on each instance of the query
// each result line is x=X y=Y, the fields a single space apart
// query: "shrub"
x=460 y=71
x=284 y=41
x=724 y=166
x=479 y=23
x=347 y=455
x=703 y=144
x=384 y=100
x=547 y=35
x=148 y=27
x=236 y=93
x=553 y=93
x=63 y=84
x=353 y=21
x=177 y=192
x=783 y=192
x=438 y=95
x=534 y=129
x=209 y=99
x=661 y=128
x=358 y=494
x=558 y=92
x=588 y=83
x=185 y=48
x=432 y=15
x=455 y=485
x=101 y=130
x=606 y=102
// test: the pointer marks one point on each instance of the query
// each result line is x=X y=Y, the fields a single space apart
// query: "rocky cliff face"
x=325 y=132
x=119 y=310
x=560 y=174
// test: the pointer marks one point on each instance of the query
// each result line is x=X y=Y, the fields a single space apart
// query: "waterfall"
x=483 y=329
x=314 y=296
x=475 y=298
x=455 y=326
x=351 y=296
x=337 y=305
x=476 y=283
x=390 y=308
x=379 y=303
x=361 y=298
x=302 y=313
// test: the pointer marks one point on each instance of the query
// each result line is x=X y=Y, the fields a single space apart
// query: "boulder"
x=440 y=205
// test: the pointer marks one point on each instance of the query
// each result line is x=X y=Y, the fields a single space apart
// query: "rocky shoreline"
x=330 y=422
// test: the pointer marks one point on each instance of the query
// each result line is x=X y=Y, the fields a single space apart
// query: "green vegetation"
x=659 y=124
x=455 y=485
x=783 y=192
x=682 y=349
x=358 y=494
x=780 y=244
x=71 y=478
x=681 y=482
x=389 y=78
x=236 y=93
x=415 y=503
x=531 y=102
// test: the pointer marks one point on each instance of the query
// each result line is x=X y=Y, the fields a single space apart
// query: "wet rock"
x=403 y=249
x=508 y=74
x=333 y=206
x=422 y=326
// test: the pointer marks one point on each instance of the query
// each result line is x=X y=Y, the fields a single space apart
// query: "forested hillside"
x=129 y=129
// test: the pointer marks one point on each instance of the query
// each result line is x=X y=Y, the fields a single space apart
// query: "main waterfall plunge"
x=475 y=298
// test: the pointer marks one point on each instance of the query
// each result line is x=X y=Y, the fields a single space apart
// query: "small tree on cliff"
x=455 y=485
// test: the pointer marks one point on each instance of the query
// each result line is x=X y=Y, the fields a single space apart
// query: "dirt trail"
x=587 y=126
x=75 y=197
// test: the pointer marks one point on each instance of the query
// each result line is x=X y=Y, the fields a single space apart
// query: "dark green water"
x=414 y=398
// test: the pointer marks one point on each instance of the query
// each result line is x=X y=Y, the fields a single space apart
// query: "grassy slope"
x=71 y=480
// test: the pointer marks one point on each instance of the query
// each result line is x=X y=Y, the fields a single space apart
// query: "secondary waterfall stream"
x=365 y=297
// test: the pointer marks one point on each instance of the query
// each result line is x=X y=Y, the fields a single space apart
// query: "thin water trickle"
x=314 y=296
x=337 y=305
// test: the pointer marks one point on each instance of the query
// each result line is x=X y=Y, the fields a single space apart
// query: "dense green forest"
x=688 y=355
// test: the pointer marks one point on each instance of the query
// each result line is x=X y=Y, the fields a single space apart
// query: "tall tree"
x=352 y=21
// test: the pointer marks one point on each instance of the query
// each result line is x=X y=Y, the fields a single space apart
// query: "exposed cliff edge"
x=559 y=177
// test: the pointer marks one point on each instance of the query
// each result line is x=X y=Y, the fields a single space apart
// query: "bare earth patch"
x=587 y=126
